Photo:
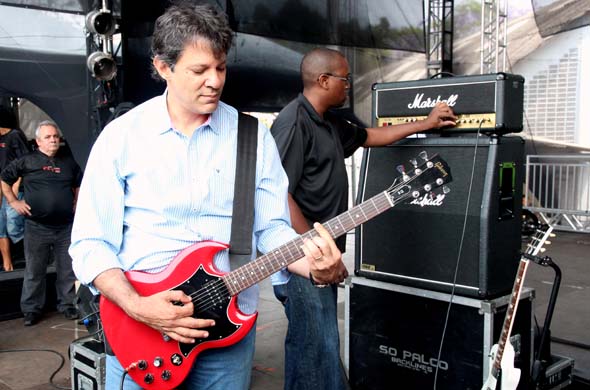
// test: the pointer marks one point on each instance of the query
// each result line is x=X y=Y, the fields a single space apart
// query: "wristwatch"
x=316 y=284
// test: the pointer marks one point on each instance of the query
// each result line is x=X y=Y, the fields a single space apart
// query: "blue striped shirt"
x=150 y=191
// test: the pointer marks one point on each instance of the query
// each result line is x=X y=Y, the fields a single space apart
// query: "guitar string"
x=204 y=290
x=505 y=334
x=212 y=299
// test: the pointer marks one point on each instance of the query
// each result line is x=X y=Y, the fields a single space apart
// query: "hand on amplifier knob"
x=441 y=116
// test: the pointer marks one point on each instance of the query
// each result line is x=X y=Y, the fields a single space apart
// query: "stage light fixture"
x=102 y=66
x=101 y=22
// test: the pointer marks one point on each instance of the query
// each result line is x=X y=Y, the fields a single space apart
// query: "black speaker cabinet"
x=393 y=335
x=11 y=286
x=420 y=243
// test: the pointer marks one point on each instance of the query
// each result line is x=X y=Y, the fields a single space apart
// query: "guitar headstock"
x=425 y=175
x=539 y=239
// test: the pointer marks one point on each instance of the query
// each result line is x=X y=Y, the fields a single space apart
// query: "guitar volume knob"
x=148 y=378
x=176 y=359
x=158 y=361
x=166 y=375
x=142 y=365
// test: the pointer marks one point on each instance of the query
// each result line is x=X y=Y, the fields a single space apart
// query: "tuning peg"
x=423 y=155
x=547 y=242
x=414 y=162
x=542 y=250
x=401 y=169
x=446 y=190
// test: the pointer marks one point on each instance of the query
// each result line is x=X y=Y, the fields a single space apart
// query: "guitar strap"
x=240 y=249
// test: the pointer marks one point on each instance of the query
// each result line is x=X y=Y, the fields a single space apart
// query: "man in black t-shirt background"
x=13 y=144
x=313 y=143
x=51 y=181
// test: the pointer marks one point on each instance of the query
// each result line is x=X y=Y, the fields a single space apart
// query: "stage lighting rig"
x=102 y=66
x=101 y=25
x=101 y=22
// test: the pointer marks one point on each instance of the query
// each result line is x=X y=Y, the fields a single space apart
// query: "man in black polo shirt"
x=13 y=144
x=313 y=143
x=51 y=181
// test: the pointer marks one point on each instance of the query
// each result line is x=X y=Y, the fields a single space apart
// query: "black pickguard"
x=211 y=303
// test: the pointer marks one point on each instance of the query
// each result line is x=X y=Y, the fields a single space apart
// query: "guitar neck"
x=532 y=249
x=510 y=312
x=264 y=266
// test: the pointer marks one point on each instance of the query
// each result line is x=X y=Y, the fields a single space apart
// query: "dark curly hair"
x=184 y=23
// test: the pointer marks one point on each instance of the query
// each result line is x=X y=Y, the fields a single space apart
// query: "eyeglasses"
x=347 y=79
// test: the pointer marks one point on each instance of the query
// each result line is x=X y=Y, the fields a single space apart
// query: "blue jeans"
x=40 y=241
x=227 y=368
x=12 y=224
x=312 y=345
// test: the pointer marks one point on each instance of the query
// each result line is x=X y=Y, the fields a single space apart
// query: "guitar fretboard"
x=532 y=249
x=264 y=266
x=509 y=319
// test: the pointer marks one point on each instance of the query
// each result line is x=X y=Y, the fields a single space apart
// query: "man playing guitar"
x=160 y=178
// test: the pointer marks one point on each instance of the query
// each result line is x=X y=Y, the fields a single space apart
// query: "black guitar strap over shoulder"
x=240 y=250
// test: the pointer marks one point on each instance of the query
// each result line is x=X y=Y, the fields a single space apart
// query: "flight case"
x=393 y=336
x=88 y=367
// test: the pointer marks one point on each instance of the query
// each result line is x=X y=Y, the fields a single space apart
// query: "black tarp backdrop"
x=263 y=66
x=70 y=6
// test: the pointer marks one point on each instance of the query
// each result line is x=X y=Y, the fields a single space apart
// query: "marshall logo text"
x=419 y=101
x=429 y=200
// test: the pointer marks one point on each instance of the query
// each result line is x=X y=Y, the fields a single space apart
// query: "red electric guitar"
x=160 y=363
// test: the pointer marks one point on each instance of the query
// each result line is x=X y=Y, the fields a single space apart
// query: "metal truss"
x=493 y=36
x=439 y=40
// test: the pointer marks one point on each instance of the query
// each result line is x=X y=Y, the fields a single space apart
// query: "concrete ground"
x=30 y=355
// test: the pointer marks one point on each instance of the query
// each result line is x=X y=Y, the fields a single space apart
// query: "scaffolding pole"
x=493 y=36
x=439 y=37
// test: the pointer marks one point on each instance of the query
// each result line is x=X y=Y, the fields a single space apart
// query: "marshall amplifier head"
x=491 y=103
